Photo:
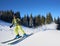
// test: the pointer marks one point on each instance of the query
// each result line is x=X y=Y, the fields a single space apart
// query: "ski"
x=9 y=40
x=19 y=40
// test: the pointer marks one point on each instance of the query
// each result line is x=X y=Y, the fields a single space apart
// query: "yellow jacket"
x=16 y=21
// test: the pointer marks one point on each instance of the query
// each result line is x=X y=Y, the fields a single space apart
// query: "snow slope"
x=47 y=35
x=46 y=38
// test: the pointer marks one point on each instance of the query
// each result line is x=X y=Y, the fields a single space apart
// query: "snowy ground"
x=47 y=35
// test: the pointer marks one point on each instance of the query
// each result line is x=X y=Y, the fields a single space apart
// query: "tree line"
x=29 y=20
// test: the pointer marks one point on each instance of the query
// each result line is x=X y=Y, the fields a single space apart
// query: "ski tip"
x=2 y=42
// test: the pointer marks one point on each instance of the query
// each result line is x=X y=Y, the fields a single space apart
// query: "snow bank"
x=51 y=26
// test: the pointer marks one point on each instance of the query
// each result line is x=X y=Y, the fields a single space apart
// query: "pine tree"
x=38 y=20
x=31 y=21
x=49 y=18
x=55 y=20
x=43 y=20
x=25 y=21
x=58 y=22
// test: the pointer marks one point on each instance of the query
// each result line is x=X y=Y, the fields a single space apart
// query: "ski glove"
x=11 y=26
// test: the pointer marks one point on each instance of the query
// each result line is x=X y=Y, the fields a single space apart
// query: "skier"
x=16 y=23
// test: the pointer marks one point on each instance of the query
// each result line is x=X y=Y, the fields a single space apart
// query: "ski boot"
x=18 y=36
x=25 y=35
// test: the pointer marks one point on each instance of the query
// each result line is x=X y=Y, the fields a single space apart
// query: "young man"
x=16 y=23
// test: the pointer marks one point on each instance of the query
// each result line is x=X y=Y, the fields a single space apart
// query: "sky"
x=35 y=7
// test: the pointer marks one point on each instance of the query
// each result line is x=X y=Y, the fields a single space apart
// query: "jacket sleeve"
x=12 y=21
x=18 y=19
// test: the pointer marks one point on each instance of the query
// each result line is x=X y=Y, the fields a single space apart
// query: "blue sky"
x=32 y=6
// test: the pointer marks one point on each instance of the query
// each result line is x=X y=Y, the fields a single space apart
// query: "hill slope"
x=47 y=35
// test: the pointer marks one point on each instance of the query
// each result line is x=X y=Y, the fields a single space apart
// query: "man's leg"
x=22 y=31
x=16 y=32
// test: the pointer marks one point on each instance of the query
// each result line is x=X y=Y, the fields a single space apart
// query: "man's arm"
x=12 y=24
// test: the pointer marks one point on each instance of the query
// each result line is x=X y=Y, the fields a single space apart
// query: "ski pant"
x=18 y=29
